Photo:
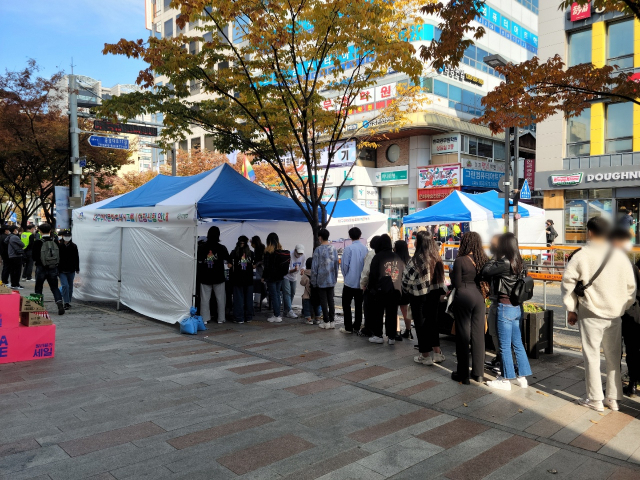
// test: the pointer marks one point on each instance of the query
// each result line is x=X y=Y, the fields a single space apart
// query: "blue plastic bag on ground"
x=198 y=319
x=189 y=325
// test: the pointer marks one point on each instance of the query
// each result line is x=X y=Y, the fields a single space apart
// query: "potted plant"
x=537 y=331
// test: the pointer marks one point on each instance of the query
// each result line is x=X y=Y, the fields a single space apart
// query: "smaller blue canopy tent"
x=456 y=208
x=140 y=248
x=493 y=202
x=348 y=214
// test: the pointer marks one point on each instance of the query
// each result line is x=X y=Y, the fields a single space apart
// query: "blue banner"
x=480 y=178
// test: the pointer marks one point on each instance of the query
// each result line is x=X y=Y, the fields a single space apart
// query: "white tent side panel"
x=531 y=231
x=158 y=271
x=99 y=251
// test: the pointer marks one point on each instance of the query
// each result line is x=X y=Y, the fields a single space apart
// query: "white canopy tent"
x=139 y=248
x=348 y=214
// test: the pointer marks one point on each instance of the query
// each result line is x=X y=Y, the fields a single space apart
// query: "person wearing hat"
x=241 y=263
x=69 y=266
x=296 y=264
x=394 y=233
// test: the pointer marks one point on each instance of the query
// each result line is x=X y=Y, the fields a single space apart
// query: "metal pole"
x=74 y=187
x=93 y=189
x=507 y=176
x=544 y=293
x=516 y=180
x=173 y=161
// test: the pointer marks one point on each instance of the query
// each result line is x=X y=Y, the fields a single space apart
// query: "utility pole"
x=516 y=180
x=93 y=189
x=507 y=176
x=74 y=187
x=174 y=167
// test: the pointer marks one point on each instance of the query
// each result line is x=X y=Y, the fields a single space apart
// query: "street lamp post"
x=498 y=61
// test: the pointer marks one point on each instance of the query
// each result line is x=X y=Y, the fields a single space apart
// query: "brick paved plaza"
x=128 y=397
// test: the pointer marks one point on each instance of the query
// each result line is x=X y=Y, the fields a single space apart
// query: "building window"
x=579 y=134
x=579 y=48
x=620 y=44
x=485 y=148
x=619 y=127
x=440 y=88
x=168 y=28
x=580 y=206
x=167 y=5
x=498 y=150
x=393 y=153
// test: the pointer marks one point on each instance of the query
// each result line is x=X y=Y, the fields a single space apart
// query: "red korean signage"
x=434 y=194
x=530 y=171
x=580 y=12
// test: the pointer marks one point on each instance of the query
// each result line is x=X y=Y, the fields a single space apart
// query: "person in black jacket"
x=212 y=258
x=551 y=233
x=15 y=252
x=241 y=264
x=69 y=266
x=276 y=265
x=47 y=272
x=469 y=308
x=620 y=237
x=385 y=286
x=4 y=254
x=503 y=274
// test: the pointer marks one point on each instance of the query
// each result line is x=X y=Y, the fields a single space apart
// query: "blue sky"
x=53 y=31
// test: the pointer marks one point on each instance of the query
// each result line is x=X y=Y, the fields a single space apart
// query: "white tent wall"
x=289 y=233
x=531 y=231
x=371 y=229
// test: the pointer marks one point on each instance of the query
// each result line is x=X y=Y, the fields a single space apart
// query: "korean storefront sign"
x=580 y=12
x=479 y=178
x=461 y=75
x=447 y=143
x=398 y=176
x=344 y=155
x=486 y=165
x=434 y=194
x=602 y=177
x=439 y=176
x=530 y=172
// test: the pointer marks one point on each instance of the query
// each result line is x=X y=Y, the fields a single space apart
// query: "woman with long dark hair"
x=242 y=280
x=276 y=265
x=423 y=283
x=258 y=254
x=402 y=250
x=503 y=273
x=469 y=308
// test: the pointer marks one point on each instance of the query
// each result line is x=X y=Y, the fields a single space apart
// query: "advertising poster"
x=439 y=176
x=576 y=216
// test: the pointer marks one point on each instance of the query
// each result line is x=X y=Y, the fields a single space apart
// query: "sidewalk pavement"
x=130 y=398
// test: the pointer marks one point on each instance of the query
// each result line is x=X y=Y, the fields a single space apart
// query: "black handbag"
x=580 y=287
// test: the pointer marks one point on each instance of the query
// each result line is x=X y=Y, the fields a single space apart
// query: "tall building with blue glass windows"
x=400 y=177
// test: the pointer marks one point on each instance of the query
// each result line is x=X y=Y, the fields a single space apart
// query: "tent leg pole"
x=195 y=264
x=120 y=270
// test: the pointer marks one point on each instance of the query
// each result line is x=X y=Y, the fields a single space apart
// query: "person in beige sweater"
x=598 y=312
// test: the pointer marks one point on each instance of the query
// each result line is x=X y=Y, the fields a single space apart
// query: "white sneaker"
x=206 y=321
x=592 y=404
x=332 y=325
x=324 y=325
x=522 y=381
x=392 y=341
x=273 y=319
x=500 y=384
x=612 y=404
x=436 y=357
x=309 y=321
x=376 y=339
x=423 y=360
x=292 y=314
x=220 y=321
x=344 y=330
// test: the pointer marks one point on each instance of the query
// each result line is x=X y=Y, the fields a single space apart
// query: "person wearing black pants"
x=385 y=285
x=469 y=308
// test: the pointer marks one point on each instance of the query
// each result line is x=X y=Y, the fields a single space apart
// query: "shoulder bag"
x=580 y=287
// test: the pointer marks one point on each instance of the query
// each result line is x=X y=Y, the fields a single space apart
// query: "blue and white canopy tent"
x=483 y=212
x=139 y=248
x=348 y=214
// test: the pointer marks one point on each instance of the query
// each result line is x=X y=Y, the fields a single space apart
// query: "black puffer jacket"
x=500 y=276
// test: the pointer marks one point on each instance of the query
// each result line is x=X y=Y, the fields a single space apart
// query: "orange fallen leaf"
x=520 y=411
x=465 y=404
x=542 y=393
x=593 y=421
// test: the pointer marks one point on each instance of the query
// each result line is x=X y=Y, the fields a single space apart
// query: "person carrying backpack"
x=46 y=256
x=506 y=275
x=324 y=276
x=276 y=262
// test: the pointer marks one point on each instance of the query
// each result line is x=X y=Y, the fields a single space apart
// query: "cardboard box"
x=5 y=290
x=9 y=311
x=35 y=319
x=29 y=306
x=25 y=343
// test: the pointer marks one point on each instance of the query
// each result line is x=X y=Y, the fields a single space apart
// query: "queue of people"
x=55 y=258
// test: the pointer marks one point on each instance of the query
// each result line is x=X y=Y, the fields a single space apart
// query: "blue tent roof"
x=346 y=208
x=221 y=193
x=494 y=203
x=453 y=209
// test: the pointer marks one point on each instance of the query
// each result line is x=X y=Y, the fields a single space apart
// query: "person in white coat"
x=596 y=307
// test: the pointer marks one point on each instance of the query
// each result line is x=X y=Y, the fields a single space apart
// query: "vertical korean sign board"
x=530 y=172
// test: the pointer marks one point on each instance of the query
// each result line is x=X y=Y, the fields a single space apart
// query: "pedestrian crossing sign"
x=525 y=191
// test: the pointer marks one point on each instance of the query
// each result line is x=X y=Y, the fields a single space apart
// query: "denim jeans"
x=288 y=292
x=51 y=276
x=509 y=336
x=66 y=285
x=274 y=294
x=308 y=310
x=243 y=303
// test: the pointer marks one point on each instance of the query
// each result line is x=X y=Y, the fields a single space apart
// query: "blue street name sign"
x=108 y=142
x=525 y=192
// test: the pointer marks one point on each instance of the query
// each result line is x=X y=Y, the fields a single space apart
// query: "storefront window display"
x=580 y=206
x=395 y=202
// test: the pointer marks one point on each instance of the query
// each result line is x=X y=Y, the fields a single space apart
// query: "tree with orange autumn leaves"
x=266 y=95
x=537 y=88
